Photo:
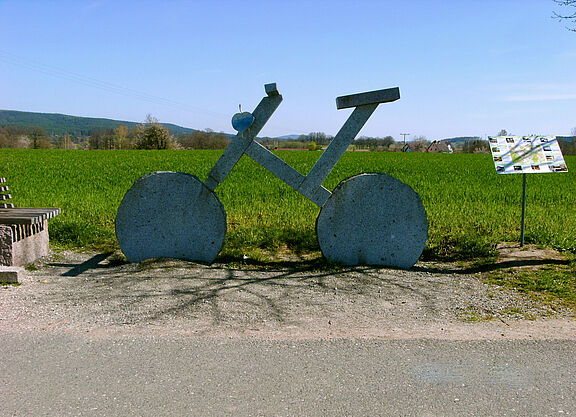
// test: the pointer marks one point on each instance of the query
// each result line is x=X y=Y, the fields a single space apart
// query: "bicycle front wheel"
x=373 y=219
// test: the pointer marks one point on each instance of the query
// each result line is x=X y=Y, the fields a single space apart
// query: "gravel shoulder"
x=86 y=293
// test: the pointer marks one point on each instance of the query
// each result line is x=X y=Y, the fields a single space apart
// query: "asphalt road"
x=59 y=374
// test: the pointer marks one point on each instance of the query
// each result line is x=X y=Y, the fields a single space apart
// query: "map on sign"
x=526 y=154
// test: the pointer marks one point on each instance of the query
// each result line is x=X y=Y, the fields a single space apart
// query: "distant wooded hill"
x=460 y=140
x=61 y=124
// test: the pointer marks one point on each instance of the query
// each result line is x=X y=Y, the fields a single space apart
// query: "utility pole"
x=404 y=135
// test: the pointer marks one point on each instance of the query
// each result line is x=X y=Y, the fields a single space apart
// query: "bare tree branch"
x=570 y=17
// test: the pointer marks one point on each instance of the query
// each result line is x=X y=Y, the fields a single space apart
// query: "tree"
x=420 y=144
x=569 y=17
x=95 y=141
x=18 y=137
x=66 y=142
x=152 y=135
x=503 y=132
x=109 y=141
x=121 y=137
x=39 y=138
x=568 y=145
x=207 y=139
x=387 y=141
x=319 y=138
x=374 y=144
x=476 y=146
x=312 y=146
x=4 y=139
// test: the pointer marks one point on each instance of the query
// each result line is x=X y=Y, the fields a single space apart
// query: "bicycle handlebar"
x=371 y=97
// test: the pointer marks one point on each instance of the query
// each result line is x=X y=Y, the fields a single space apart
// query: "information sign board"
x=526 y=154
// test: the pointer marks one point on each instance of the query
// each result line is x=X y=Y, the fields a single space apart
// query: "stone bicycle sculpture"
x=369 y=219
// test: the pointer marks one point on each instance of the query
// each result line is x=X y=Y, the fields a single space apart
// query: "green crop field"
x=470 y=208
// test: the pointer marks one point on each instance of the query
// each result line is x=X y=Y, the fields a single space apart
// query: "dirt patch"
x=528 y=256
x=91 y=293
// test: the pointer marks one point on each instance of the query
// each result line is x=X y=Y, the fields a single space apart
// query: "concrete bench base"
x=23 y=244
x=11 y=274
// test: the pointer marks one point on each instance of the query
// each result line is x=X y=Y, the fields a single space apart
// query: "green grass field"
x=470 y=208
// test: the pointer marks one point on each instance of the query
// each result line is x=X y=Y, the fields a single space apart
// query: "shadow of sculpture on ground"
x=488 y=267
x=92 y=263
x=247 y=295
x=168 y=289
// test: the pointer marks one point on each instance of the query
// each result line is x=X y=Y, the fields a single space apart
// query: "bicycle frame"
x=175 y=215
x=310 y=186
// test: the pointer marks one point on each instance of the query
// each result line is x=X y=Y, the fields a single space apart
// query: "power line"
x=61 y=73
x=53 y=71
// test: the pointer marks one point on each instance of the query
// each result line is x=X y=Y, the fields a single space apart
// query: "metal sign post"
x=523 y=210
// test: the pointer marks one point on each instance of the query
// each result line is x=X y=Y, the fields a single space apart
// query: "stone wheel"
x=170 y=215
x=373 y=219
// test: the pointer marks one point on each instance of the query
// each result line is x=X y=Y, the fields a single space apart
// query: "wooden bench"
x=23 y=231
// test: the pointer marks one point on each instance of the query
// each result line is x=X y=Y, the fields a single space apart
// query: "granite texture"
x=373 y=219
x=170 y=215
x=27 y=245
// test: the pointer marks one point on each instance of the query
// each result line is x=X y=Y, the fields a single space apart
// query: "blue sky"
x=464 y=67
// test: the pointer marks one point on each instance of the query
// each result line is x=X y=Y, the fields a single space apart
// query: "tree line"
x=148 y=135
x=318 y=140
x=153 y=135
